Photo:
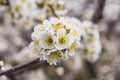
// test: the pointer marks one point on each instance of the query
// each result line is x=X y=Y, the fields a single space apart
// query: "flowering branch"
x=56 y=54
x=22 y=66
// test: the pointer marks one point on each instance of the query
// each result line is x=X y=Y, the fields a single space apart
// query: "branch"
x=5 y=2
x=111 y=28
x=21 y=67
x=98 y=11
x=52 y=10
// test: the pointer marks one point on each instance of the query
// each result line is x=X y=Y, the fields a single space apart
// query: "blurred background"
x=16 y=25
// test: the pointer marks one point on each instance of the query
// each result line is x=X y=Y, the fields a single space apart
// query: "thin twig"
x=52 y=10
x=111 y=28
x=20 y=67
x=5 y=2
x=98 y=11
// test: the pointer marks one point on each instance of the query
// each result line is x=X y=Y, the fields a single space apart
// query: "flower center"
x=54 y=55
x=67 y=31
x=85 y=50
x=90 y=40
x=17 y=8
x=56 y=26
x=49 y=40
x=86 y=30
x=36 y=42
x=63 y=40
x=30 y=5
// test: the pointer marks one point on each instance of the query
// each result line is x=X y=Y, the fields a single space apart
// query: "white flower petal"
x=46 y=40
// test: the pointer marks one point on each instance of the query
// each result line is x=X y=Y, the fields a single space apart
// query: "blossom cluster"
x=91 y=41
x=24 y=13
x=21 y=12
x=56 y=39
x=57 y=5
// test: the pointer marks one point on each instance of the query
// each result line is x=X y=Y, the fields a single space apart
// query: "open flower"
x=63 y=40
x=53 y=56
x=76 y=32
x=46 y=40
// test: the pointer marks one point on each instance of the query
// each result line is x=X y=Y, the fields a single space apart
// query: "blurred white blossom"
x=26 y=13
x=24 y=56
x=111 y=9
x=74 y=63
x=37 y=74
x=2 y=68
x=3 y=78
x=60 y=71
x=91 y=41
x=57 y=5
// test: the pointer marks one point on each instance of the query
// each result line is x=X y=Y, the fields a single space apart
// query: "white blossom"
x=46 y=40
x=53 y=56
x=64 y=40
x=91 y=41
x=55 y=39
x=58 y=38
